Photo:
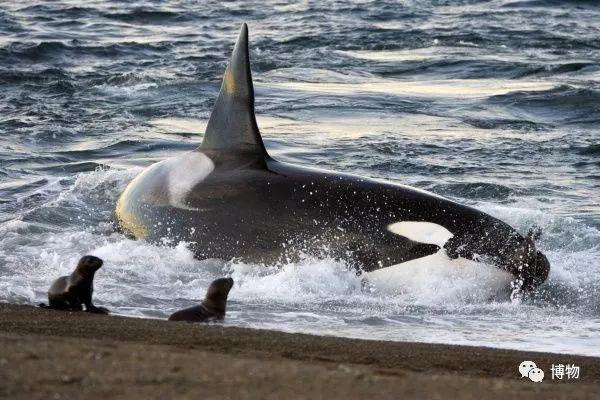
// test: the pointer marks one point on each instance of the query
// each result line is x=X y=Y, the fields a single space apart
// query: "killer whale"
x=230 y=199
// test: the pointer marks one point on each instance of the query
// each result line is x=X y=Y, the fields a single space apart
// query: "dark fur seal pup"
x=70 y=292
x=212 y=307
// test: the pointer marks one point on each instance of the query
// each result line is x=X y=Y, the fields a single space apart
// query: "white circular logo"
x=525 y=367
x=536 y=375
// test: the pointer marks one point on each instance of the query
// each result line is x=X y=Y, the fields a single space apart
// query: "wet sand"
x=48 y=354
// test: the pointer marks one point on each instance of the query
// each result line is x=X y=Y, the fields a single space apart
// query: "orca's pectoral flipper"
x=232 y=125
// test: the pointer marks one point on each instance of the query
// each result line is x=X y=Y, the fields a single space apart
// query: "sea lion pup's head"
x=88 y=265
x=216 y=295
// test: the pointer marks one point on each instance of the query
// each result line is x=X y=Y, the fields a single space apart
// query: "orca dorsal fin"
x=232 y=125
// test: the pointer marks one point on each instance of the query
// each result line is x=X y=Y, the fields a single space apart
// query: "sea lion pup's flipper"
x=213 y=307
x=96 y=310
x=232 y=128
x=49 y=306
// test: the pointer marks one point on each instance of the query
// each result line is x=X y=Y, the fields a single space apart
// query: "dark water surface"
x=492 y=103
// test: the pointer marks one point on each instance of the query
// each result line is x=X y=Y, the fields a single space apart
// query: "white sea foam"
x=310 y=280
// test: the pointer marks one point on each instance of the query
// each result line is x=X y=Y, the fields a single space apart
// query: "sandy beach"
x=55 y=355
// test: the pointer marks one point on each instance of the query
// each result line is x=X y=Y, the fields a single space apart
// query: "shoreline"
x=328 y=335
x=66 y=354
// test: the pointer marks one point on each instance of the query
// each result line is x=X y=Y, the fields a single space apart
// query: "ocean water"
x=495 y=104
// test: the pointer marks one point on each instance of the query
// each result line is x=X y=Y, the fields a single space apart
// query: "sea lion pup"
x=212 y=307
x=70 y=292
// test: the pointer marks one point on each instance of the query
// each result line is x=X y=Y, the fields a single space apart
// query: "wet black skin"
x=267 y=211
x=74 y=291
x=213 y=307
x=260 y=210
